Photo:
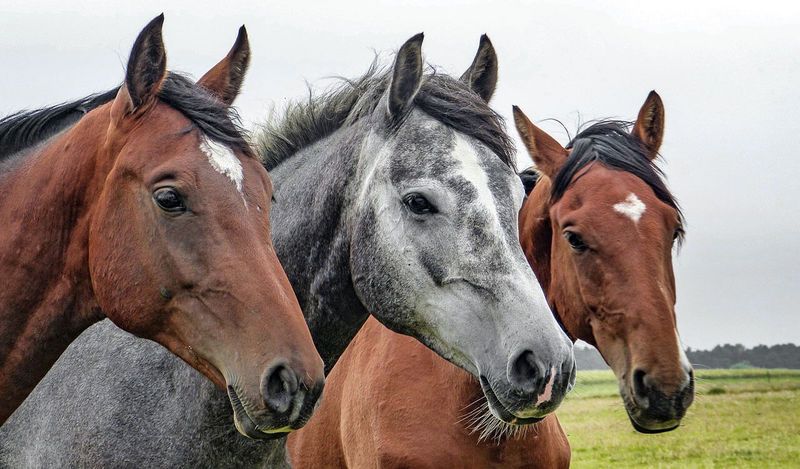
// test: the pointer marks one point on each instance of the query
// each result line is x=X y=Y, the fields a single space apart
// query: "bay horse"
x=146 y=205
x=598 y=229
x=396 y=195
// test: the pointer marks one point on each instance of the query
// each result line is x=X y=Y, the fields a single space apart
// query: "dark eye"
x=575 y=241
x=418 y=204
x=169 y=200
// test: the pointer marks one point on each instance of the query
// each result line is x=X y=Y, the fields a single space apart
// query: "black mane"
x=24 y=129
x=442 y=97
x=611 y=143
x=27 y=128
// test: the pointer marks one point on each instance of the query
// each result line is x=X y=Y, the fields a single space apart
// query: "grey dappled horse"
x=396 y=195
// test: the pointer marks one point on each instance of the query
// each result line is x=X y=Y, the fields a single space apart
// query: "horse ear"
x=529 y=179
x=406 y=76
x=545 y=151
x=649 y=127
x=481 y=76
x=147 y=65
x=225 y=79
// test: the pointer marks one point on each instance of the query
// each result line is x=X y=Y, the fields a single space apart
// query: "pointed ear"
x=649 y=127
x=406 y=77
x=226 y=78
x=481 y=76
x=529 y=178
x=545 y=151
x=147 y=68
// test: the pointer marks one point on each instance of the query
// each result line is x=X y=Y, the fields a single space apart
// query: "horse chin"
x=661 y=427
x=245 y=424
x=499 y=411
x=641 y=424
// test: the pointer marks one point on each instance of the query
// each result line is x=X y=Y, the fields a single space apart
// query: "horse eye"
x=169 y=200
x=418 y=204
x=575 y=241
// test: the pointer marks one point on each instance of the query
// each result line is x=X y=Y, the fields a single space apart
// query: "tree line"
x=721 y=356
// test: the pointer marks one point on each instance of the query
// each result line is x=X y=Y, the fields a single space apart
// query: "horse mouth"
x=653 y=427
x=246 y=425
x=500 y=411
x=643 y=425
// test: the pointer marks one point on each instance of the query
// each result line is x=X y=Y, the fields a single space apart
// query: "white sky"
x=728 y=72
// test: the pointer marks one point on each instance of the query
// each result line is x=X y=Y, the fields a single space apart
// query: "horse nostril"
x=278 y=388
x=640 y=388
x=525 y=372
x=289 y=380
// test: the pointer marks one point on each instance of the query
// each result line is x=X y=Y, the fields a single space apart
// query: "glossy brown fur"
x=384 y=404
x=620 y=294
x=83 y=239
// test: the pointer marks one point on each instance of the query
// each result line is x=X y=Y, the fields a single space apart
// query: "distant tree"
x=760 y=356
x=721 y=356
x=741 y=365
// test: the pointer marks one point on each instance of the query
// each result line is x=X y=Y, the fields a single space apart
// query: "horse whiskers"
x=494 y=429
x=477 y=406
x=480 y=420
x=471 y=419
x=479 y=400
x=470 y=416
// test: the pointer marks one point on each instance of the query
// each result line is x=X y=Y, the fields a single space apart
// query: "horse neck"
x=312 y=238
x=536 y=236
x=46 y=300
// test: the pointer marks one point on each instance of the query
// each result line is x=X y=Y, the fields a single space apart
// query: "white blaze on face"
x=473 y=172
x=224 y=162
x=631 y=207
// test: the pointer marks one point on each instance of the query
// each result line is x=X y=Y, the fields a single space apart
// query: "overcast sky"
x=728 y=72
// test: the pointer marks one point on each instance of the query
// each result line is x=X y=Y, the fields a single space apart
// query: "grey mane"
x=442 y=97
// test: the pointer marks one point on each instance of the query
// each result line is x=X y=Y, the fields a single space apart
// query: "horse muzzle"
x=286 y=404
x=650 y=409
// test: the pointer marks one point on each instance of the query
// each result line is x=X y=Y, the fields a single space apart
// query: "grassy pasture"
x=740 y=418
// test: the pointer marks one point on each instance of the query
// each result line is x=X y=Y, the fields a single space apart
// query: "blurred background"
x=727 y=71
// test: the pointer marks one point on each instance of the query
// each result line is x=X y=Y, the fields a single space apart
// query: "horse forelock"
x=610 y=143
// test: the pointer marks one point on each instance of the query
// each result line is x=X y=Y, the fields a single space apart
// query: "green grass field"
x=740 y=418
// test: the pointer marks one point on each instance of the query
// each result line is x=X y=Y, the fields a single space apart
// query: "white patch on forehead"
x=473 y=172
x=224 y=162
x=631 y=207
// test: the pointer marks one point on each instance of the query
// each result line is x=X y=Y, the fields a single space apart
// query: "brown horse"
x=598 y=229
x=152 y=210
